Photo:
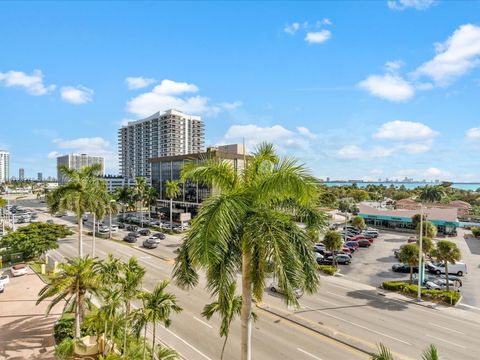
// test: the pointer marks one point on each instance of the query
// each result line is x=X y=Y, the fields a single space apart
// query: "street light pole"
x=420 y=256
x=110 y=221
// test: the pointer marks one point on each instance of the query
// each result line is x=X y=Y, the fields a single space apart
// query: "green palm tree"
x=333 y=242
x=98 y=207
x=228 y=307
x=140 y=187
x=165 y=353
x=77 y=278
x=112 y=301
x=151 y=197
x=447 y=252
x=76 y=195
x=171 y=192
x=409 y=255
x=432 y=193
x=140 y=321
x=124 y=196
x=131 y=284
x=250 y=221
x=159 y=306
x=431 y=353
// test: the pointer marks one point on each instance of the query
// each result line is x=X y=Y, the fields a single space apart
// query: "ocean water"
x=413 y=185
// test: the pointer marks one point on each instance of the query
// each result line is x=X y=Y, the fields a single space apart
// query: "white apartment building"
x=77 y=161
x=116 y=182
x=4 y=166
x=166 y=133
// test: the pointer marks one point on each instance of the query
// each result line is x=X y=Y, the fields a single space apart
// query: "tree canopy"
x=34 y=239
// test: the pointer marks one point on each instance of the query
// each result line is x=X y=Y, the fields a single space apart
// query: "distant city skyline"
x=355 y=90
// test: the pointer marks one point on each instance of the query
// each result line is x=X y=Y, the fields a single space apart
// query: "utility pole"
x=420 y=257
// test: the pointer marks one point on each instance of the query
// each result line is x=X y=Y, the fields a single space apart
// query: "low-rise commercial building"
x=116 y=182
x=446 y=220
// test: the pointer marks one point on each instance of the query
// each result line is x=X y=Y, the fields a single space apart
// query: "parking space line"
x=203 y=322
x=446 y=341
x=448 y=329
x=307 y=353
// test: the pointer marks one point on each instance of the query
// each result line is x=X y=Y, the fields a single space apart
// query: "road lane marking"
x=186 y=342
x=446 y=341
x=203 y=322
x=361 y=326
x=448 y=329
x=307 y=353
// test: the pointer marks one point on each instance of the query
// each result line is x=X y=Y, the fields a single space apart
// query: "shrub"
x=476 y=231
x=64 y=329
x=327 y=269
x=393 y=285
x=65 y=349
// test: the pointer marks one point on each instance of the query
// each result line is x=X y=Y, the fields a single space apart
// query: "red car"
x=364 y=243
x=347 y=250
x=361 y=237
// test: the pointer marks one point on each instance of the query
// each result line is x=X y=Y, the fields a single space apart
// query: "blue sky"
x=357 y=90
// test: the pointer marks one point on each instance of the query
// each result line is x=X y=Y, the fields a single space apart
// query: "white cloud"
x=174 y=95
x=53 y=154
x=33 y=84
x=139 y=82
x=326 y=21
x=291 y=28
x=356 y=152
x=404 y=130
x=415 y=4
x=276 y=134
x=393 y=66
x=318 y=37
x=76 y=95
x=454 y=57
x=389 y=86
x=473 y=134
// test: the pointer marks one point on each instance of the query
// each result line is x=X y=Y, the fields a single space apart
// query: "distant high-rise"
x=4 y=166
x=39 y=176
x=21 y=174
x=162 y=134
x=77 y=161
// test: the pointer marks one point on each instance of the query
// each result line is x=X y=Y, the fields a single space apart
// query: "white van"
x=458 y=268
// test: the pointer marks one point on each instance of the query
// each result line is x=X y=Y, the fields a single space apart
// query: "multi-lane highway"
x=343 y=321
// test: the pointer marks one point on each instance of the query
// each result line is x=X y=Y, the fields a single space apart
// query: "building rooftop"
x=432 y=213
x=167 y=112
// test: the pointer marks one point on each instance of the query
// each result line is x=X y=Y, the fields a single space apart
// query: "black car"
x=130 y=239
x=132 y=227
x=144 y=232
x=134 y=234
x=159 y=235
x=404 y=268
x=121 y=225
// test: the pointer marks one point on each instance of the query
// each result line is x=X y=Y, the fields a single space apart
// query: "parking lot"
x=373 y=265
x=25 y=332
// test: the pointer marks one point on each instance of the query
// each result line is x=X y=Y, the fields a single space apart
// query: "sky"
x=354 y=90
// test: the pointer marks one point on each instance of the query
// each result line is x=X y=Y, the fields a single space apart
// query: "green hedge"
x=476 y=231
x=447 y=297
x=327 y=269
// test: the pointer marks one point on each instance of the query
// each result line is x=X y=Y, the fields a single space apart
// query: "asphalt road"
x=349 y=313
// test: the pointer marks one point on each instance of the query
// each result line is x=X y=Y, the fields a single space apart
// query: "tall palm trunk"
x=127 y=313
x=77 y=313
x=446 y=275
x=153 y=341
x=223 y=347
x=105 y=337
x=112 y=333
x=145 y=341
x=80 y=230
x=171 y=214
x=246 y=311
x=411 y=273
x=93 y=243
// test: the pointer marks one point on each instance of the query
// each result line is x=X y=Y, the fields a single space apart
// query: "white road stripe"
x=186 y=342
x=446 y=341
x=448 y=329
x=360 y=326
x=203 y=322
x=307 y=353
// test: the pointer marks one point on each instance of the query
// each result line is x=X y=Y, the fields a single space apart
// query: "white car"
x=19 y=270
x=441 y=284
x=2 y=288
x=458 y=268
x=4 y=279
x=274 y=288
x=103 y=230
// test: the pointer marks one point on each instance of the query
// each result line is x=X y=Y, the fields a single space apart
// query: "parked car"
x=319 y=247
x=130 y=239
x=274 y=288
x=396 y=253
x=412 y=239
x=348 y=250
x=134 y=234
x=2 y=288
x=159 y=235
x=103 y=229
x=403 y=268
x=364 y=243
x=150 y=243
x=368 y=235
x=144 y=232
x=132 y=227
x=49 y=221
x=4 y=279
x=458 y=268
x=19 y=270
x=340 y=258
x=441 y=284
x=114 y=228
x=352 y=244
x=351 y=229
x=121 y=225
